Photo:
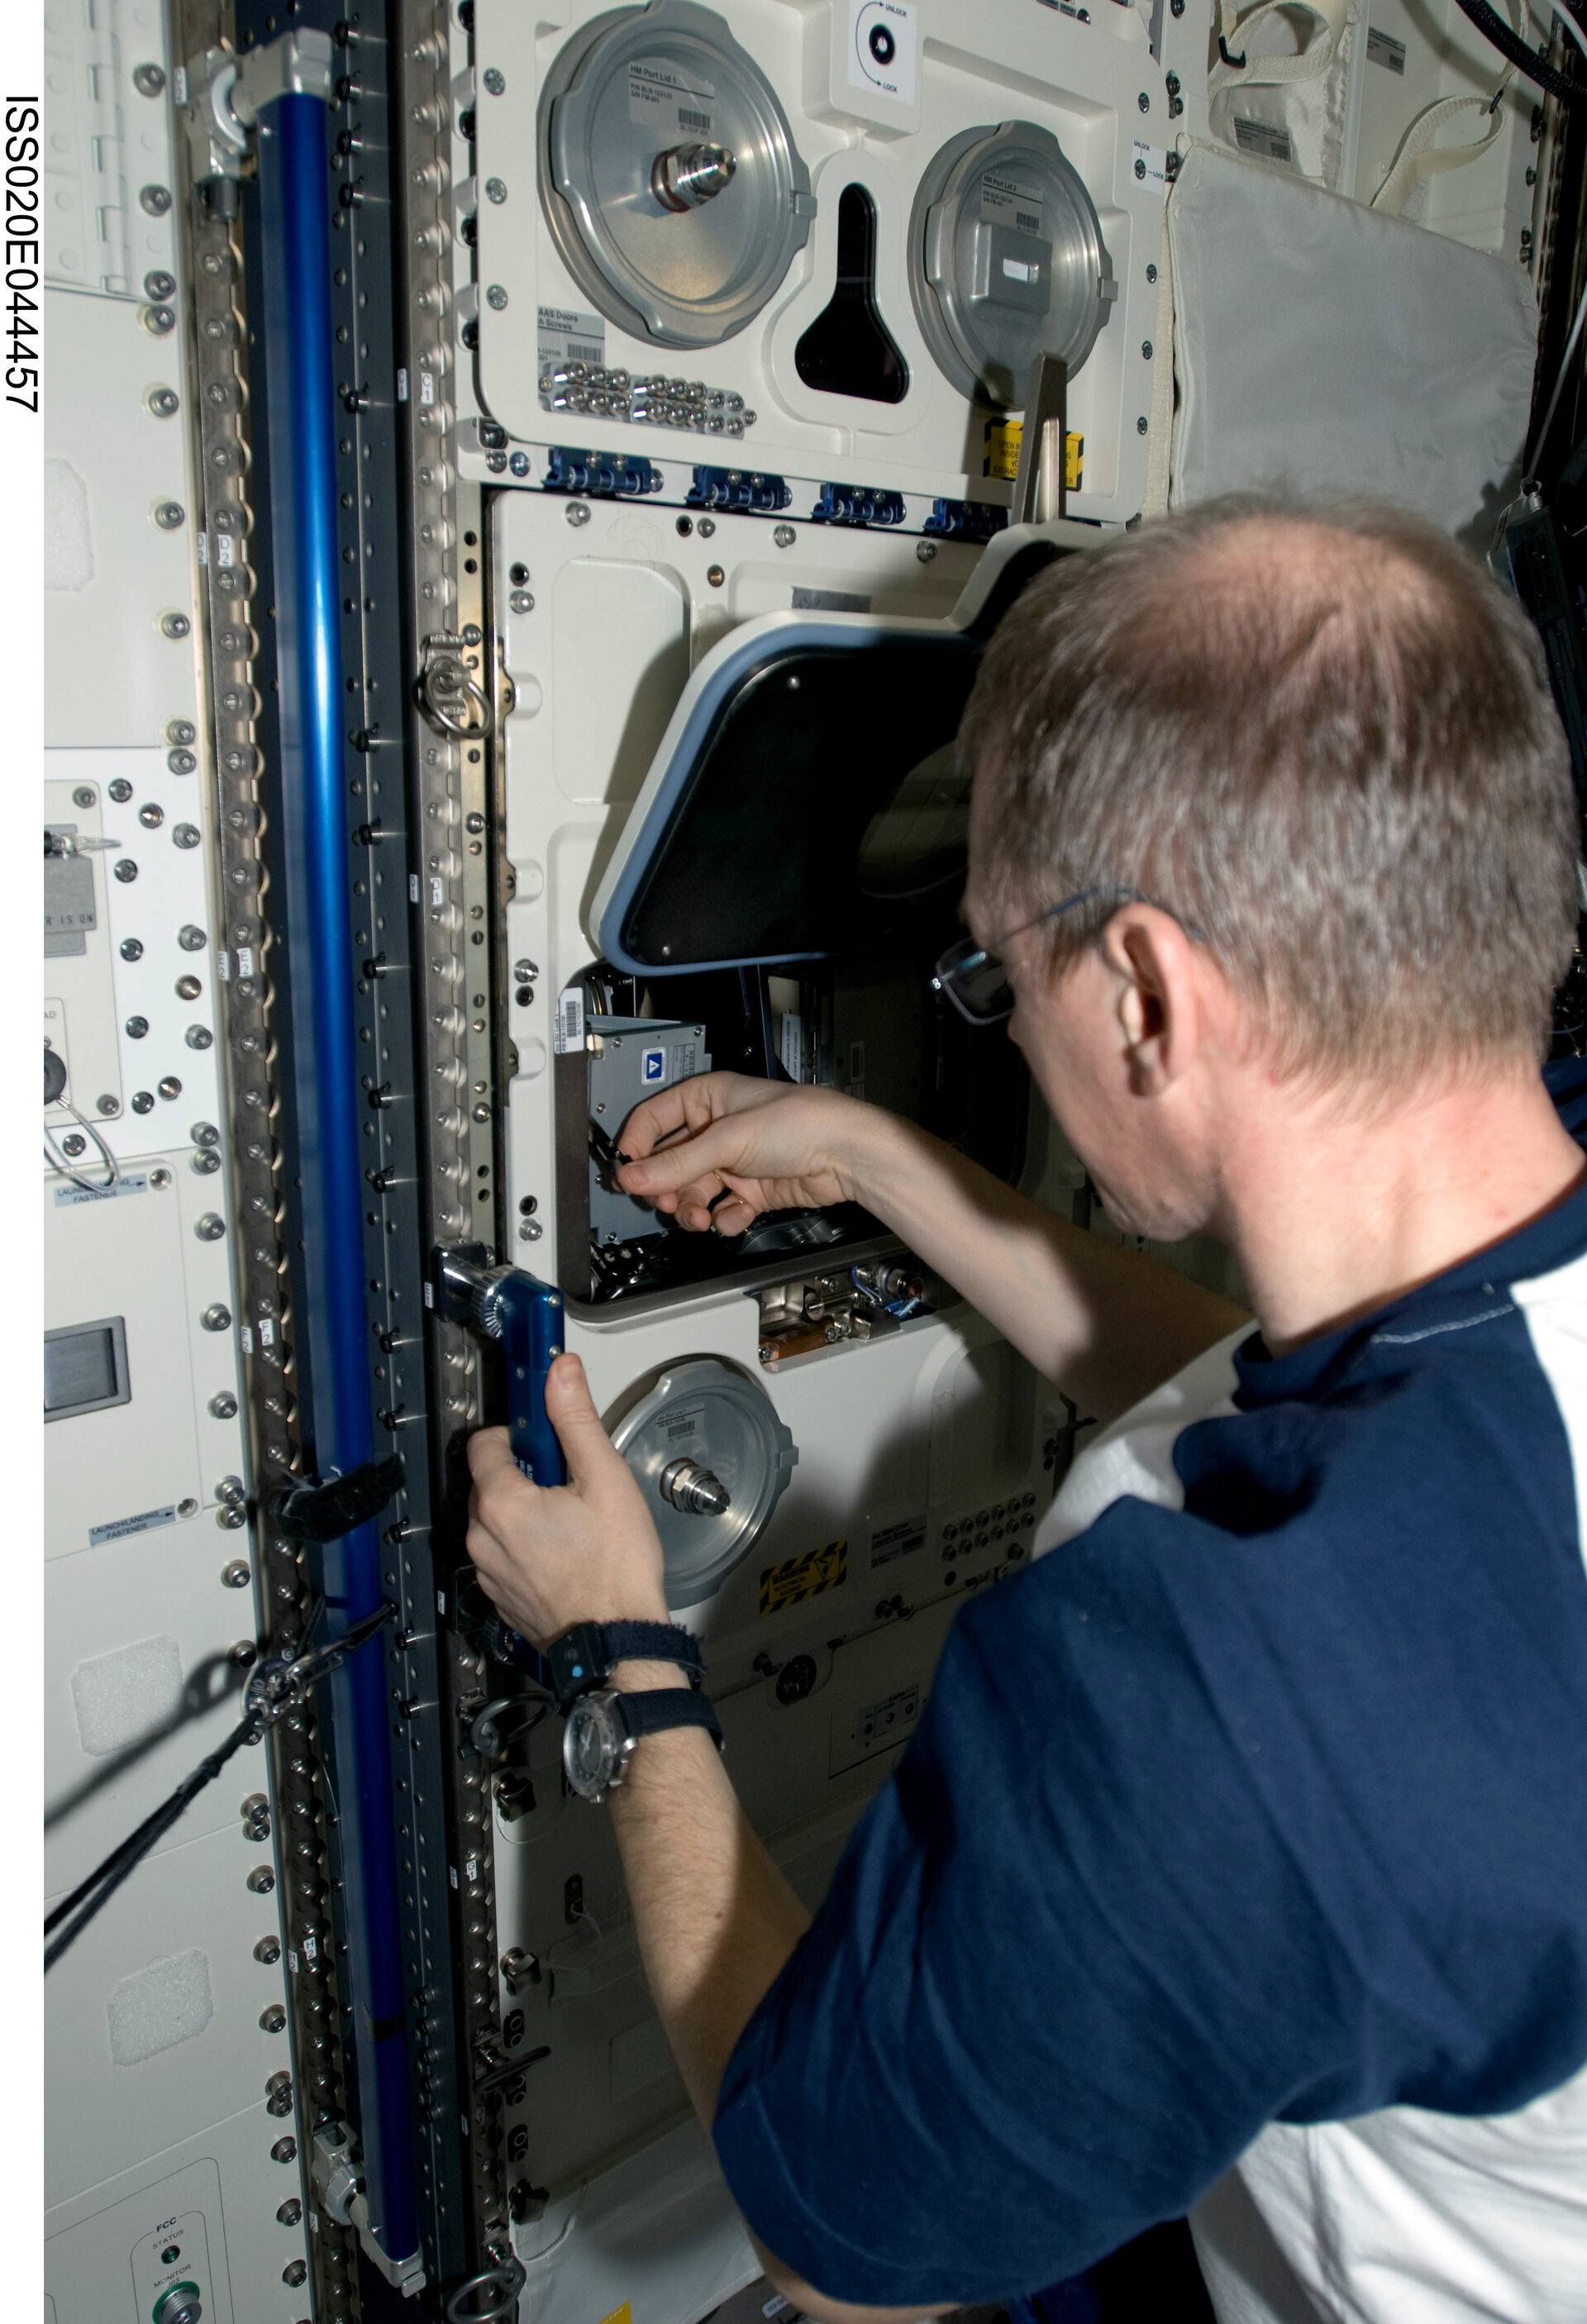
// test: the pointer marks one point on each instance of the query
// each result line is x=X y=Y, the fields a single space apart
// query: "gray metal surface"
x=638 y=1056
x=1007 y=261
x=628 y=92
x=700 y=1422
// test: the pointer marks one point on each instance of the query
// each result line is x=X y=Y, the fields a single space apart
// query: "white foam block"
x=158 y=2006
x=121 y=1698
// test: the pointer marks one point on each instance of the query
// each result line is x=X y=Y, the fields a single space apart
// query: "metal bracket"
x=1039 y=482
x=448 y=697
x=225 y=95
x=335 y=2175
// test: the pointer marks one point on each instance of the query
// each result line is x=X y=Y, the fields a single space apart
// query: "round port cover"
x=627 y=88
x=707 y=1412
x=1007 y=261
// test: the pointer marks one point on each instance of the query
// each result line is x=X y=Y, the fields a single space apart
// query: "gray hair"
x=1323 y=737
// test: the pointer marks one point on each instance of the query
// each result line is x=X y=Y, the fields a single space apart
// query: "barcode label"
x=1005 y=202
x=570 y=1023
x=1383 y=49
x=667 y=102
x=1264 y=138
x=568 y=335
x=587 y=351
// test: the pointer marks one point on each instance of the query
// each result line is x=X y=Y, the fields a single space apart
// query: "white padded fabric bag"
x=1323 y=346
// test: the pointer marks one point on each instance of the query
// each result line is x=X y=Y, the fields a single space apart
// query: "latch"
x=865 y=1302
x=223 y=95
x=449 y=695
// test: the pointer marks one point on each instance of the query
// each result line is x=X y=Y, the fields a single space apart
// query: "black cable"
x=1525 y=59
x=94 y=1893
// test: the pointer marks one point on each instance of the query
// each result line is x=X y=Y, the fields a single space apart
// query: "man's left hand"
x=549 y=1556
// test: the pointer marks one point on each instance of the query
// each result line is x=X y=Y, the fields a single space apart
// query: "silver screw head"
x=926 y=551
x=121 y=790
x=175 y=625
x=495 y=296
x=522 y=602
x=180 y=763
x=143 y=1100
x=169 y=1086
x=158 y=321
x=529 y=1230
x=236 y=1574
x=108 y=1104
x=211 y=1227
x=285 y=2149
x=187 y=835
x=224 y=1405
x=261 y=1879
x=199 y=1036
x=291 y=2210
x=158 y=284
x=86 y=795
x=126 y=871
x=148 y=80
x=1142 y=424
x=180 y=730
x=160 y=1176
x=231 y=1491
x=169 y=515
x=205 y=1133
x=217 y=1318
x=495 y=189
x=136 y=1026
x=784 y=536
x=150 y=817
x=191 y=939
x=73 y=1144
x=706 y=527
x=231 y=1520
x=578 y=513
x=495 y=82
x=273 y=2020
x=155 y=199
x=268 y=1950
x=204 y=1164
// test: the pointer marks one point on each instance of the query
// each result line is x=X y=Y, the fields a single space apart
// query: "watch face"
x=591 y=1746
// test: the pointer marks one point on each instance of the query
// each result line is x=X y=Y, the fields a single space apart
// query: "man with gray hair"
x=1239 y=1863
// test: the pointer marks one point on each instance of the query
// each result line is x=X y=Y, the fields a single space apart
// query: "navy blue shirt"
x=1267 y=1808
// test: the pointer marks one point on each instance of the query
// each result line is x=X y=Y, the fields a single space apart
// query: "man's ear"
x=1159 y=1002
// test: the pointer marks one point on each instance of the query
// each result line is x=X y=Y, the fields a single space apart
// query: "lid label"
x=1005 y=202
x=1383 y=49
x=1269 y=139
x=564 y=335
x=667 y=102
x=569 y=1021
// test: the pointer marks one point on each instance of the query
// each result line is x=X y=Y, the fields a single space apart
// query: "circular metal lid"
x=1005 y=260
x=668 y=173
x=712 y=1458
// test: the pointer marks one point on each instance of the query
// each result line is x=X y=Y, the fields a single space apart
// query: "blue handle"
x=530 y=1315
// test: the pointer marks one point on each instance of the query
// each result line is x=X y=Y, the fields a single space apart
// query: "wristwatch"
x=585 y=1656
x=603 y=1729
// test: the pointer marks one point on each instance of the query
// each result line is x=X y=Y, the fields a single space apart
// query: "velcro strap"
x=651 y=1642
x=311 y=1512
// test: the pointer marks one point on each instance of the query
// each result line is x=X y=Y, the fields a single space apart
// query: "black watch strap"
x=653 y=1712
x=586 y=1656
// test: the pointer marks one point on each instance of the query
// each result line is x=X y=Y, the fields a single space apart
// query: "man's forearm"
x=714 y=1917
x=1103 y=1322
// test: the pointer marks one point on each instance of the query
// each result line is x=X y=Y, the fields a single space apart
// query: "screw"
x=205 y=1133
x=217 y=1318
x=926 y=551
x=85 y=796
x=188 y=1508
x=715 y=576
x=180 y=763
x=1144 y=102
x=150 y=817
x=159 y=284
x=126 y=871
x=160 y=1177
x=181 y=730
x=168 y=515
x=272 y=2020
x=1141 y=425
x=223 y=1405
x=211 y=1227
x=191 y=939
x=199 y=1037
x=495 y=82
x=290 y=2211
x=1152 y=274
x=522 y=602
x=136 y=1026
x=169 y=1086
x=143 y=1100
x=578 y=513
x=495 y=296
x=187 y=835
x=155 y=199
x=174 y=625
x=285 y=2149
x=784 y=536
x=108 y=1104
x=295 y=2272
x=261 y=1879
x=495 y=189
x=268 y=1948
x=1140 y=170
x=157 y=320
x=188 y=988
x=72 y=1145
x=1146 y=350
x=148 y=80
x=120 y=790
x=236 y=1574
x=531 y=1230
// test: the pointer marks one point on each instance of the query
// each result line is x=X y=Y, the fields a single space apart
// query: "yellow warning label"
x=1001 y=456
x=798 y=1578
x=623 y=2315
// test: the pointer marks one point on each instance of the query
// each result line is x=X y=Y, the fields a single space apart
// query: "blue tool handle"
x=530 y=1317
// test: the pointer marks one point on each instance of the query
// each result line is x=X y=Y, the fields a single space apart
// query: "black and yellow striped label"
x=798 y=1578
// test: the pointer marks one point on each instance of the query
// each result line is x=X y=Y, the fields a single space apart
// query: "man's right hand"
x=735 y=1146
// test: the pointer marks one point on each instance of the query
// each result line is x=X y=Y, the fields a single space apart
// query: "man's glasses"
x=973 y=976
